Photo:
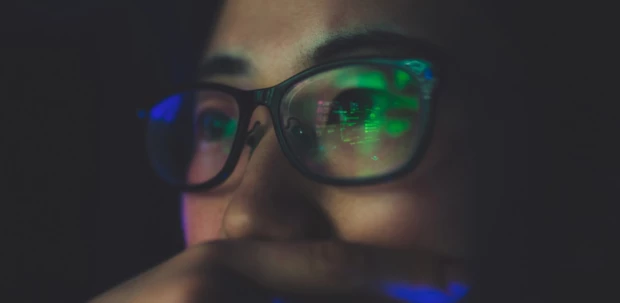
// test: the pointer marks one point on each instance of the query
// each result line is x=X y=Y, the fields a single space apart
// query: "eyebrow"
x=335 y=46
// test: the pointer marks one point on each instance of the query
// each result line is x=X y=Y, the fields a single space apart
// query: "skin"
x=268 y=211
x=267 y=198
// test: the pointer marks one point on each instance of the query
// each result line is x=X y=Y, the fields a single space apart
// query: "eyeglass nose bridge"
x=264 y=97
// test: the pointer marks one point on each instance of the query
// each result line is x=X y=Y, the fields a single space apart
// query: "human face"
x=266 y=198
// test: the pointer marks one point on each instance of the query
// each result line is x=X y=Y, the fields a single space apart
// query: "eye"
x=303 y=137
x=214 y=125
x=373 y=110
x=299 y=131
x=354 y=105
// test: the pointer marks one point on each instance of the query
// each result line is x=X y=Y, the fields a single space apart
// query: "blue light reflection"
x=419 y=293
x=166 y=110
x=428 y=74
x=424 y=293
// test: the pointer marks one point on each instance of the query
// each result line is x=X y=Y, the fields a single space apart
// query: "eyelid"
x=229 y=107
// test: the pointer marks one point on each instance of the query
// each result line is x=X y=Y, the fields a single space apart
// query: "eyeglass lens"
x=352 y=122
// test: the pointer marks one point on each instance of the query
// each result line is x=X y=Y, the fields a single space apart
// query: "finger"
x=332 y=267
x=191 y=276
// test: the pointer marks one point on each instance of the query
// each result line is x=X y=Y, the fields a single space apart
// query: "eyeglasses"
x=351 y=122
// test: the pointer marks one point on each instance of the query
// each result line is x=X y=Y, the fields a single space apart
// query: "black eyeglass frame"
x=271 y=97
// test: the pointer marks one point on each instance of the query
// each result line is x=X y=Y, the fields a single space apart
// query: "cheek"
x=202 y=218
x=203 y=212
x=429 y=208
x=383 y=220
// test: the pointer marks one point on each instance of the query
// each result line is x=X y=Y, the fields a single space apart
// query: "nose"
x=273 y=201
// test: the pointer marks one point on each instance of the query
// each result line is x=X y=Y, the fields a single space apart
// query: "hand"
x=235 y=271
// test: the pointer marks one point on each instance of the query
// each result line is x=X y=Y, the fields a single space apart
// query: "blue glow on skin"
x=277 y=300
x=167 y=109
x=424 y=293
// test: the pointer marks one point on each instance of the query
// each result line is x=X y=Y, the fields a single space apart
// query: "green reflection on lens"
x=402 y=79
x=410 y=103
x=397 y=127
x=362 y=123
x=367 y=79
x=380 y=100
x=367 y=148
x=383 y=104
x=230 y=128
x=376 y=79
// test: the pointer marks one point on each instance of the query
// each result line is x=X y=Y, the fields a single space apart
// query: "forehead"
x=275 y=35
x=257 y=26
x=242 y=23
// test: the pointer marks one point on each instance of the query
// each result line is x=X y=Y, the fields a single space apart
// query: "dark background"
x=81 y=210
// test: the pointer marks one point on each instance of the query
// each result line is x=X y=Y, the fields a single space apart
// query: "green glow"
x=384 y=110
x=230 y=129
x=366 y=79
x=397 y=127
x=410 y=103
x=380 y=101
x=374 y=80
x=402 y=79
x=367 y=148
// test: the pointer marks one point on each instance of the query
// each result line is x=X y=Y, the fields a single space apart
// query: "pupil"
x=296 y=128
x=215 y=125
x=303 y=137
